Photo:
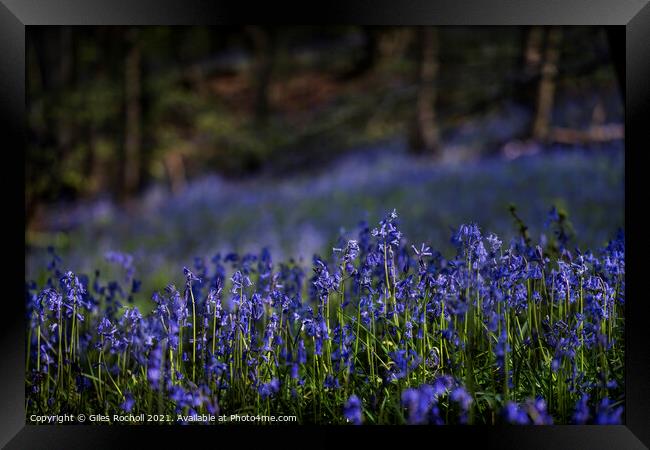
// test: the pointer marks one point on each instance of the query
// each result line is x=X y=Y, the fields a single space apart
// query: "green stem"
x=193 y=335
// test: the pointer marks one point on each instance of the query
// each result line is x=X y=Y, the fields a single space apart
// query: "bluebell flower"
x=269 y=389
x=538 y=412
x=515 y=415
x=154 y=368
x=302 y=354
x=494 y=243
x=269 y=332
x=295 y=371
x=466 y=238
x=607 y=415
x=107 y=332
x=331 y=382
x=128 y=403
x=501 y=351
x=350 y=253
x=189 y=275
x=462 y=397
x=403 y=363
x=52 y=299
x=352 y=411
x=419 y=403
x=389 y=234
x=239 y=282
x=581 y=414
x=323 y=282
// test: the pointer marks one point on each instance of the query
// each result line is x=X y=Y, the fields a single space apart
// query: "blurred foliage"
x=246 y=100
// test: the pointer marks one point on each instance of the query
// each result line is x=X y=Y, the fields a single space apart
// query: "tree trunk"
x=175 y=170
x=527 y=68
x=263 y=48
x=133 y=132
x=425 y=136
x=546 y=89
x=532 y=57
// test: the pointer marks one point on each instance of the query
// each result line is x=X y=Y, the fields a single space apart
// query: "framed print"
x=327 y=222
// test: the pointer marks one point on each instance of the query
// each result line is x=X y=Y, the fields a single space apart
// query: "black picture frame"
x=630 y=26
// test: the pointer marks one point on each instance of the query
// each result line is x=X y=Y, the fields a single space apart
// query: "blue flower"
x=302 y=354
x=538 y=412
x=607 y=415
x=462 y=397
x=239 y=282
x=269 y=389
x=404 y=363
x=515 y=415
x=154 y=369
x=419 y=403
x=331 y=382
x=352 y=411
x=128 y=403
x=189 y=275
x=581 y=414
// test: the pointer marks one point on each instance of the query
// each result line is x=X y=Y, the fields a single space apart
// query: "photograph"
x=325 y=225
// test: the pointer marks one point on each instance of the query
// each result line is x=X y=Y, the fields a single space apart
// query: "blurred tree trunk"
x=175 y=167
x=132 y=128
x=547 y=84
x=425 y=135
x=90 y=163
x=532 y=55
x=263 y=49
x=527 y=70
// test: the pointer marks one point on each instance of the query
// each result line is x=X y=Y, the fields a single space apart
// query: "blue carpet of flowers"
x=382 y=331
x=303 y=214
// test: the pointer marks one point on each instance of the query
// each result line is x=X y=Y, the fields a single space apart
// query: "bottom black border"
x=576 y=437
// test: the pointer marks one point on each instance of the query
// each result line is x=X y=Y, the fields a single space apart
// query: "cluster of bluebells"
x=381 y=332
